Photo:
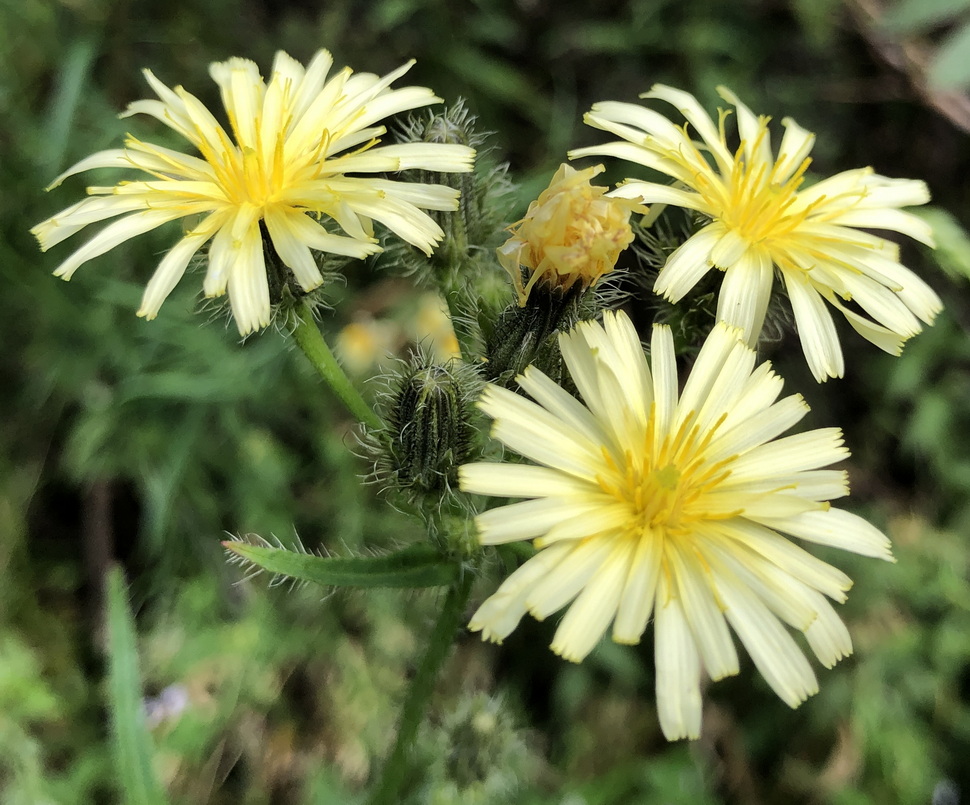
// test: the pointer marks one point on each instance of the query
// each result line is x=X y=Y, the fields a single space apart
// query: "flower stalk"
x=419 y=693
x=309 y=338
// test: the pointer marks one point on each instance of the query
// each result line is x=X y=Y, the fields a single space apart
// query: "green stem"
x=309 y=338
x=419 y=693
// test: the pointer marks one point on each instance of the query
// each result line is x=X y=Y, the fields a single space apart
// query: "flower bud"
x=571 y=235
x=522 y=335
x=429 y=432
x=478 y=218
x=477 y=755
x=462 y=266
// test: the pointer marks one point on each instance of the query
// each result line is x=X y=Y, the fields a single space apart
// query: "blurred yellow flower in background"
x=647 y=502
x=372 y=340
x=761 y=219
x=279 y=182
x=366 y=343
x=432 y=327
x=573 y=233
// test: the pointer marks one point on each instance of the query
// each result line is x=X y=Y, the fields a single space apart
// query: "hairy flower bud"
x=478 y=218
x=522 y=335
x=571 y=235
x=477 y=755
x=462 y=265
x=429 y=432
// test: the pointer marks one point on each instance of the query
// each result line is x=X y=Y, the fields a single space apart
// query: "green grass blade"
x=417 y=566
x=69 y=89
x=132 y=745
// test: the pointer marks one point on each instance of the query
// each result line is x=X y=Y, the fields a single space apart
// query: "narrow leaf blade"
x=417 y=566
x=132 y=744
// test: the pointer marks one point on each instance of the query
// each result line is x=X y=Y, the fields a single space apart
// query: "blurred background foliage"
x=145 y=443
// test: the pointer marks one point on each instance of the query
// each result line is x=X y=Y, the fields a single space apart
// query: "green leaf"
x=912 y=16
x=417 y=566
x=952 y=241
x=68 y=94
x=132 y=744
x=497 y=79
x=951 y=67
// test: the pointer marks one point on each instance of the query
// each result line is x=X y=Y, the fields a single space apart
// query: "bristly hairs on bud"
x=463 y=266
x=692 y=318
x=476 y=754
x=486 y=194
x=431 y=427
x=524 y=335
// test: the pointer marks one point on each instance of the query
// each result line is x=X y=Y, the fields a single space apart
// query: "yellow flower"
x=573 y=233
x=761 y=218
x=432 y=327
x=279 y=182
x=649 y=502
x=366 y=343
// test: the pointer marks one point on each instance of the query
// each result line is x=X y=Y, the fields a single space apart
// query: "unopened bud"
x=476 y=221
x=430 y=408
x=523 y=335
x=462 y=265
x=477 y=755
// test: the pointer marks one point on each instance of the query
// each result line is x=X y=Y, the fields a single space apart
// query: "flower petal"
x=248 y=286
x=688 y=264
x=820 y=342
x=577 y=567
x=501 y=613
x=745 y=293
x=173 y=266
x=117 y=233
x=678 y=670
x=837 y=528
x=775 y=654
x=590 y=614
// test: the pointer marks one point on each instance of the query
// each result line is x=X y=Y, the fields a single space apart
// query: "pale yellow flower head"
x=686 y=507
x=573 y=233
x=285 y=176
x=366 y=343
x=762 y=218
x=432 y=327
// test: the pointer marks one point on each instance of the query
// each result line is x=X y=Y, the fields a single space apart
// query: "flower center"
x=661 y=497
x=252 y=172
x=665 y=485
x=753 y=200
x=251 y=177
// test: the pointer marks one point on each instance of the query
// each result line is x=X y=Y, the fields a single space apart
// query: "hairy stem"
x=419 y=693
x=309 y=338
